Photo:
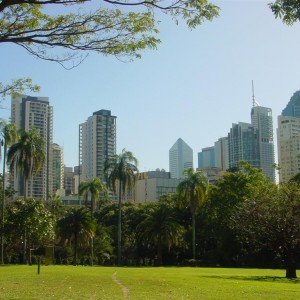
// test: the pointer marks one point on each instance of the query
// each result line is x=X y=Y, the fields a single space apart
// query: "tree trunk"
x=24 y=246
x=291 y=267
x=159 y=252
x=119 y=224
x=194 y=235
x=3 y=206
x=75 y=250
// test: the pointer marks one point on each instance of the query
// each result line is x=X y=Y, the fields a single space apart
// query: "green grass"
x=69 y=282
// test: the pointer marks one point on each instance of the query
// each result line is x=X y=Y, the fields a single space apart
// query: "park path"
x=121 y=285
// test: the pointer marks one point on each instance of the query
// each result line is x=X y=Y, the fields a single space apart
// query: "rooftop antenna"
x=254 y=102
x=253 y=98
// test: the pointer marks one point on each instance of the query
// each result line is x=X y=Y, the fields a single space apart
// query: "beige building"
x=288 y=143
x=151 y=185
x=34 y=112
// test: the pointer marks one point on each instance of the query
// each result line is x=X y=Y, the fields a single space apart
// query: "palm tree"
x=77 y=227
x=95 y=187
x=192 y=192
x=9 y=135
x=160 y=228
x=27 y=156
x=121 y=170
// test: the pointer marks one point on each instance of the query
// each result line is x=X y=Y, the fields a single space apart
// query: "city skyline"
x=194 y=86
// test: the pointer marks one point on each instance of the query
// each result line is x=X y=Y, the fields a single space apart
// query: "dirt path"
x=121 y=285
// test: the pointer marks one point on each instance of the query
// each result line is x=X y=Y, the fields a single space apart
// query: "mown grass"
x=69 y=282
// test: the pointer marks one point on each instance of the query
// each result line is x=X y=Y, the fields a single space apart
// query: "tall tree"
x=192 y=192
x=77 y=227
x=270 y=218
x=9 y=134
x=160 y=228
x=94 y=187
x=27 y=156
x=31 y=217
x=121 y=171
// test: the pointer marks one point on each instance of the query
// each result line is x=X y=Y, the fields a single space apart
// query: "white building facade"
x=180 y=158
x=34 y=112
x=97 y=142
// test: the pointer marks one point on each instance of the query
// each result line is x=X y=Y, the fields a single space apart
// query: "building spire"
x=254 y=102
x=253 y=98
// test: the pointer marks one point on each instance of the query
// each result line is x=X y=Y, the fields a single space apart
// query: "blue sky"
x=194 y=86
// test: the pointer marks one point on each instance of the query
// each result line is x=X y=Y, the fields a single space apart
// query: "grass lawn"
x=69 y=282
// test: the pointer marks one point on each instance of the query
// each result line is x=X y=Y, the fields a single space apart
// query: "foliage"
x=8 y=135
x=270 y=218
x=115 y=28
x=95 y=187
x=29 y=224
x=76 y=228
x=161 y=229
x=192 y=192
x=17 y=86
x=221 y=245
x=27 y=156
x=287 y=10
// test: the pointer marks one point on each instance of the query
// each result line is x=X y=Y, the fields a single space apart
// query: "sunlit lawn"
x=69 y=282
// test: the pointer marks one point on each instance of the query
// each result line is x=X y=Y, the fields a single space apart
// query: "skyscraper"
x=97 y=142
x=34 y=112
x=288 y=139
x=254 y=142
x=243 y=145
x=57 y=159
x=293 y=107
x=207 y=158
x=262 y=120
x=180 y=158
x=221 y=153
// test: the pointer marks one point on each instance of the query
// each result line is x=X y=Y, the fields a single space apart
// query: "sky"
x=194 y=86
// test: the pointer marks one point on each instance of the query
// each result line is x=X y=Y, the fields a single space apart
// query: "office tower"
x=97 y=142
x=288 y=139
x=180 y=158
x=206 y=158
x=57 y=160
x=293 y=107
x=243 y=145
x=221 y=153
x=261 y=119
x=34 y=112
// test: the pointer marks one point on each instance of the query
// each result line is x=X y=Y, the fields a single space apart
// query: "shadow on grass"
x=257 y=278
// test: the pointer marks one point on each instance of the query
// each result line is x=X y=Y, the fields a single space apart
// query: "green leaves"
x=287 y=10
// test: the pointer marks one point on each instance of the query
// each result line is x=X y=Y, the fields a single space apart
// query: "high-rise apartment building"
x=34 y=112
x=97 y=142
x=262 y=120
x=180 y=158
x=57 y=160
x=288 y=139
